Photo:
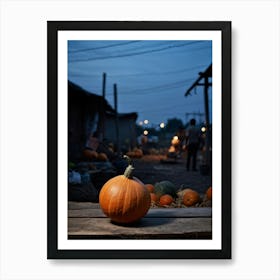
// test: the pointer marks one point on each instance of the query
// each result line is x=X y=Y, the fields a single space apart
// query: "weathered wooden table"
x=87 y=221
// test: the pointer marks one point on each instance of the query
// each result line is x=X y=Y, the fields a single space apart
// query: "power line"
x=173 y=85
x=136 y=53
x=104 y=47
x=155 y=89
x=161 y=73
x=87 y=74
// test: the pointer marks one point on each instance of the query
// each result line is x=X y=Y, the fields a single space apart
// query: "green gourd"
x=165 y=187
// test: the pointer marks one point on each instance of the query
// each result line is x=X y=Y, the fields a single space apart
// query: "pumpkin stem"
x=128 y=171
x=128 y=159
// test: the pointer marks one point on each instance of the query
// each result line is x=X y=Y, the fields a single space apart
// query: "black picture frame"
x=53 y=252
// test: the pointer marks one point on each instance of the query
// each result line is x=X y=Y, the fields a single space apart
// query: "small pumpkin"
x=165 y=200
x=90 y=154
x=181 y=192
x=130 y=154
x=165 y=187
x=154 y=198
x=138 y=153
x=209 y=193
x=150 y=188
x=102 y=157
x=191 y=197
x=124 y=198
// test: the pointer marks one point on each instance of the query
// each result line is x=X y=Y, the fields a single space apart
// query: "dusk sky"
x=151 y=76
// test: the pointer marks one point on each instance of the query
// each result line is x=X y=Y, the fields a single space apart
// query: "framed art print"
x=139 y=140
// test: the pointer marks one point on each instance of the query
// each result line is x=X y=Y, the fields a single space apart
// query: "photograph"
x=140 y=139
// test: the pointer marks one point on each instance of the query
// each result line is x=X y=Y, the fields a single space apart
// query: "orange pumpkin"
x=102 y=157
x=124 y=198
x=209 y=193
x=154 y=198
x=90 y=154
x=150 y=188
x=130 y=154
x=191 y=197
x=165 y=199
x=138 y=153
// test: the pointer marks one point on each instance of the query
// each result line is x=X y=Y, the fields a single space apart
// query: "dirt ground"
x=155 y=168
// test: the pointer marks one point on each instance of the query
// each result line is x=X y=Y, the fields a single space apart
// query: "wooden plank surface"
x=152 y=213
x=72 y=205
x=146 y=228
x=87 y=221
x=88 y=209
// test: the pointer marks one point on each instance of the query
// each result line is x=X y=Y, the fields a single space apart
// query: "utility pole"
x=104 y=85
x=103 y=109
x=117 y=118
x=206 y=106
x=204 y=77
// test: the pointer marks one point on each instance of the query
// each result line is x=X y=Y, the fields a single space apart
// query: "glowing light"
x=140 y=123
x=162 y=125
x=146 y=132
x=203 y=129
x=146 y=121
x=175 y=141
x=171 y=149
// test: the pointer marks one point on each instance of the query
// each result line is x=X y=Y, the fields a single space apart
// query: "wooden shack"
x=87 y=113
x=126 y=127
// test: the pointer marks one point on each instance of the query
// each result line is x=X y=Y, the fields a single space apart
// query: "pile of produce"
x=93 y=155
x=135 y=153
x=125 y=199
x=164 y=194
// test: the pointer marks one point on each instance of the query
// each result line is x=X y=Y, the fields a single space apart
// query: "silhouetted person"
x=193 y=141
